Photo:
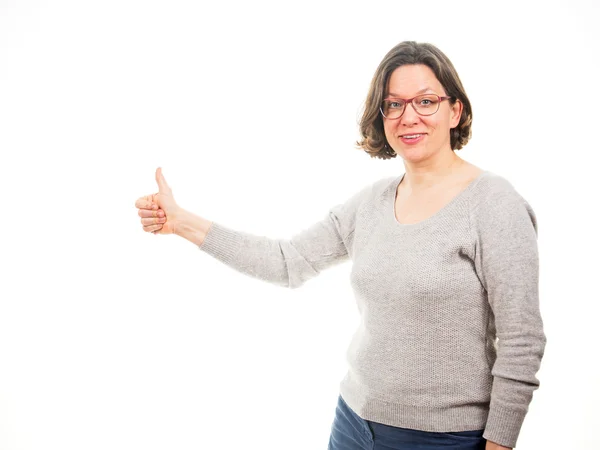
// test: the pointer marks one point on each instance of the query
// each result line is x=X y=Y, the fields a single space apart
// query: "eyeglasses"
x=424 y=105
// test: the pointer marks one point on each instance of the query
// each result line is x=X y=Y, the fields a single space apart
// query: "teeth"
x=411 y=136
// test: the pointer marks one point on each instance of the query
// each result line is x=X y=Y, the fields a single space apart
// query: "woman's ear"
x=456 y=113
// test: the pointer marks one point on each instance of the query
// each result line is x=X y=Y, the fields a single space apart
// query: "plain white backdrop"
x=112 y=338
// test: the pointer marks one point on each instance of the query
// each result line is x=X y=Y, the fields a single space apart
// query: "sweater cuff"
x=221 y=243
x=504 y=425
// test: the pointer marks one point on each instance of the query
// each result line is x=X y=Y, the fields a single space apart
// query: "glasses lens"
x=426 y=104
x=392 y=108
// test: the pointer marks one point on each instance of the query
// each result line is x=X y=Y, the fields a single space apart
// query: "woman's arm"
x=283 y=262
x=191 y=227
x=506 y=260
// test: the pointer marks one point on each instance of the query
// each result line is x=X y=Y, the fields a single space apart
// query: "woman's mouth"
x=412 y=138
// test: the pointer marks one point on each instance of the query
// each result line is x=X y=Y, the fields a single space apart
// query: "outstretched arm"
x=284 y=262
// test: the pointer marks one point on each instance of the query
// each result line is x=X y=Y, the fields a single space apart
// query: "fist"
x=158 y=211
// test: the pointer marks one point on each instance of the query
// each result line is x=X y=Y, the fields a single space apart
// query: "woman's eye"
x=395 y=105
x=428 y=101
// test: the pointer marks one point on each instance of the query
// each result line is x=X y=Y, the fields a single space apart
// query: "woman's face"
x=434 y=131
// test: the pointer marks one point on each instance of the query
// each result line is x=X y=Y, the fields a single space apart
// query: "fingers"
x=146 y=202
x=152 y=217
x=152 y=228
x=153 y=220
x=151 y=213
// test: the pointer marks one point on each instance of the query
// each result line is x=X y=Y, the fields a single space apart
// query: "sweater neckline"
x=438 y=214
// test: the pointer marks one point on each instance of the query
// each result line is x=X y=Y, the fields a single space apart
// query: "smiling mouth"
x=412 y=136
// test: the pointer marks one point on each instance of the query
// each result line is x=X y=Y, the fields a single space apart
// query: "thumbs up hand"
x=158 y=211
x=164 y=199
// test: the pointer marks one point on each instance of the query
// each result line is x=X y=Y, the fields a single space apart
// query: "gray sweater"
x=451 y=337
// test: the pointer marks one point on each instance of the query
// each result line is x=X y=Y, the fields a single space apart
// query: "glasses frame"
x=409 y=100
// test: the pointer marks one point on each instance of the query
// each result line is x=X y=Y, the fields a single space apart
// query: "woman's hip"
x=351 y=432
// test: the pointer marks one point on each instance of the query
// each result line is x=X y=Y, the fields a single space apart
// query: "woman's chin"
x=413 y=153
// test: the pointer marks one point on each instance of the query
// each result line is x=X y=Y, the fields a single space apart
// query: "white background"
x=112 y=338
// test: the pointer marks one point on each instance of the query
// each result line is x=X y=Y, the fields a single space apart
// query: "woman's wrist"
x=191 y=226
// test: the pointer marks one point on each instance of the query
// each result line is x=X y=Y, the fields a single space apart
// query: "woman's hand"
x=159 y=211
x=493 y=446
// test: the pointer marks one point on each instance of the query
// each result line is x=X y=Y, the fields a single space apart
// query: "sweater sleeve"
x=506 y=261
x=288 y=262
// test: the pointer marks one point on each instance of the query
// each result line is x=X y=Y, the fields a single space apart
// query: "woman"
x=445 y=272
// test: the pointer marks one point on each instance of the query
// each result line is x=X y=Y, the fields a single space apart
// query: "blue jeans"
x=350 y=432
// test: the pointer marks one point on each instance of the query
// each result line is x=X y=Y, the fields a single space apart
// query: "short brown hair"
x=373 y=139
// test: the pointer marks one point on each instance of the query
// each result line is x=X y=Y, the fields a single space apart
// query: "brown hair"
x=373 y=139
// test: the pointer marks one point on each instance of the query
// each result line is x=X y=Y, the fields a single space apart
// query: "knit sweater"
x=451 y=336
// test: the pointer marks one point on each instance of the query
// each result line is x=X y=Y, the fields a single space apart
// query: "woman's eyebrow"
x=422 y=91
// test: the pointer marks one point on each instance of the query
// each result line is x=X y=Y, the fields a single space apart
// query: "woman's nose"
x=410 y=116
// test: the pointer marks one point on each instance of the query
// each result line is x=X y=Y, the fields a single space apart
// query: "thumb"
x=163 y=187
